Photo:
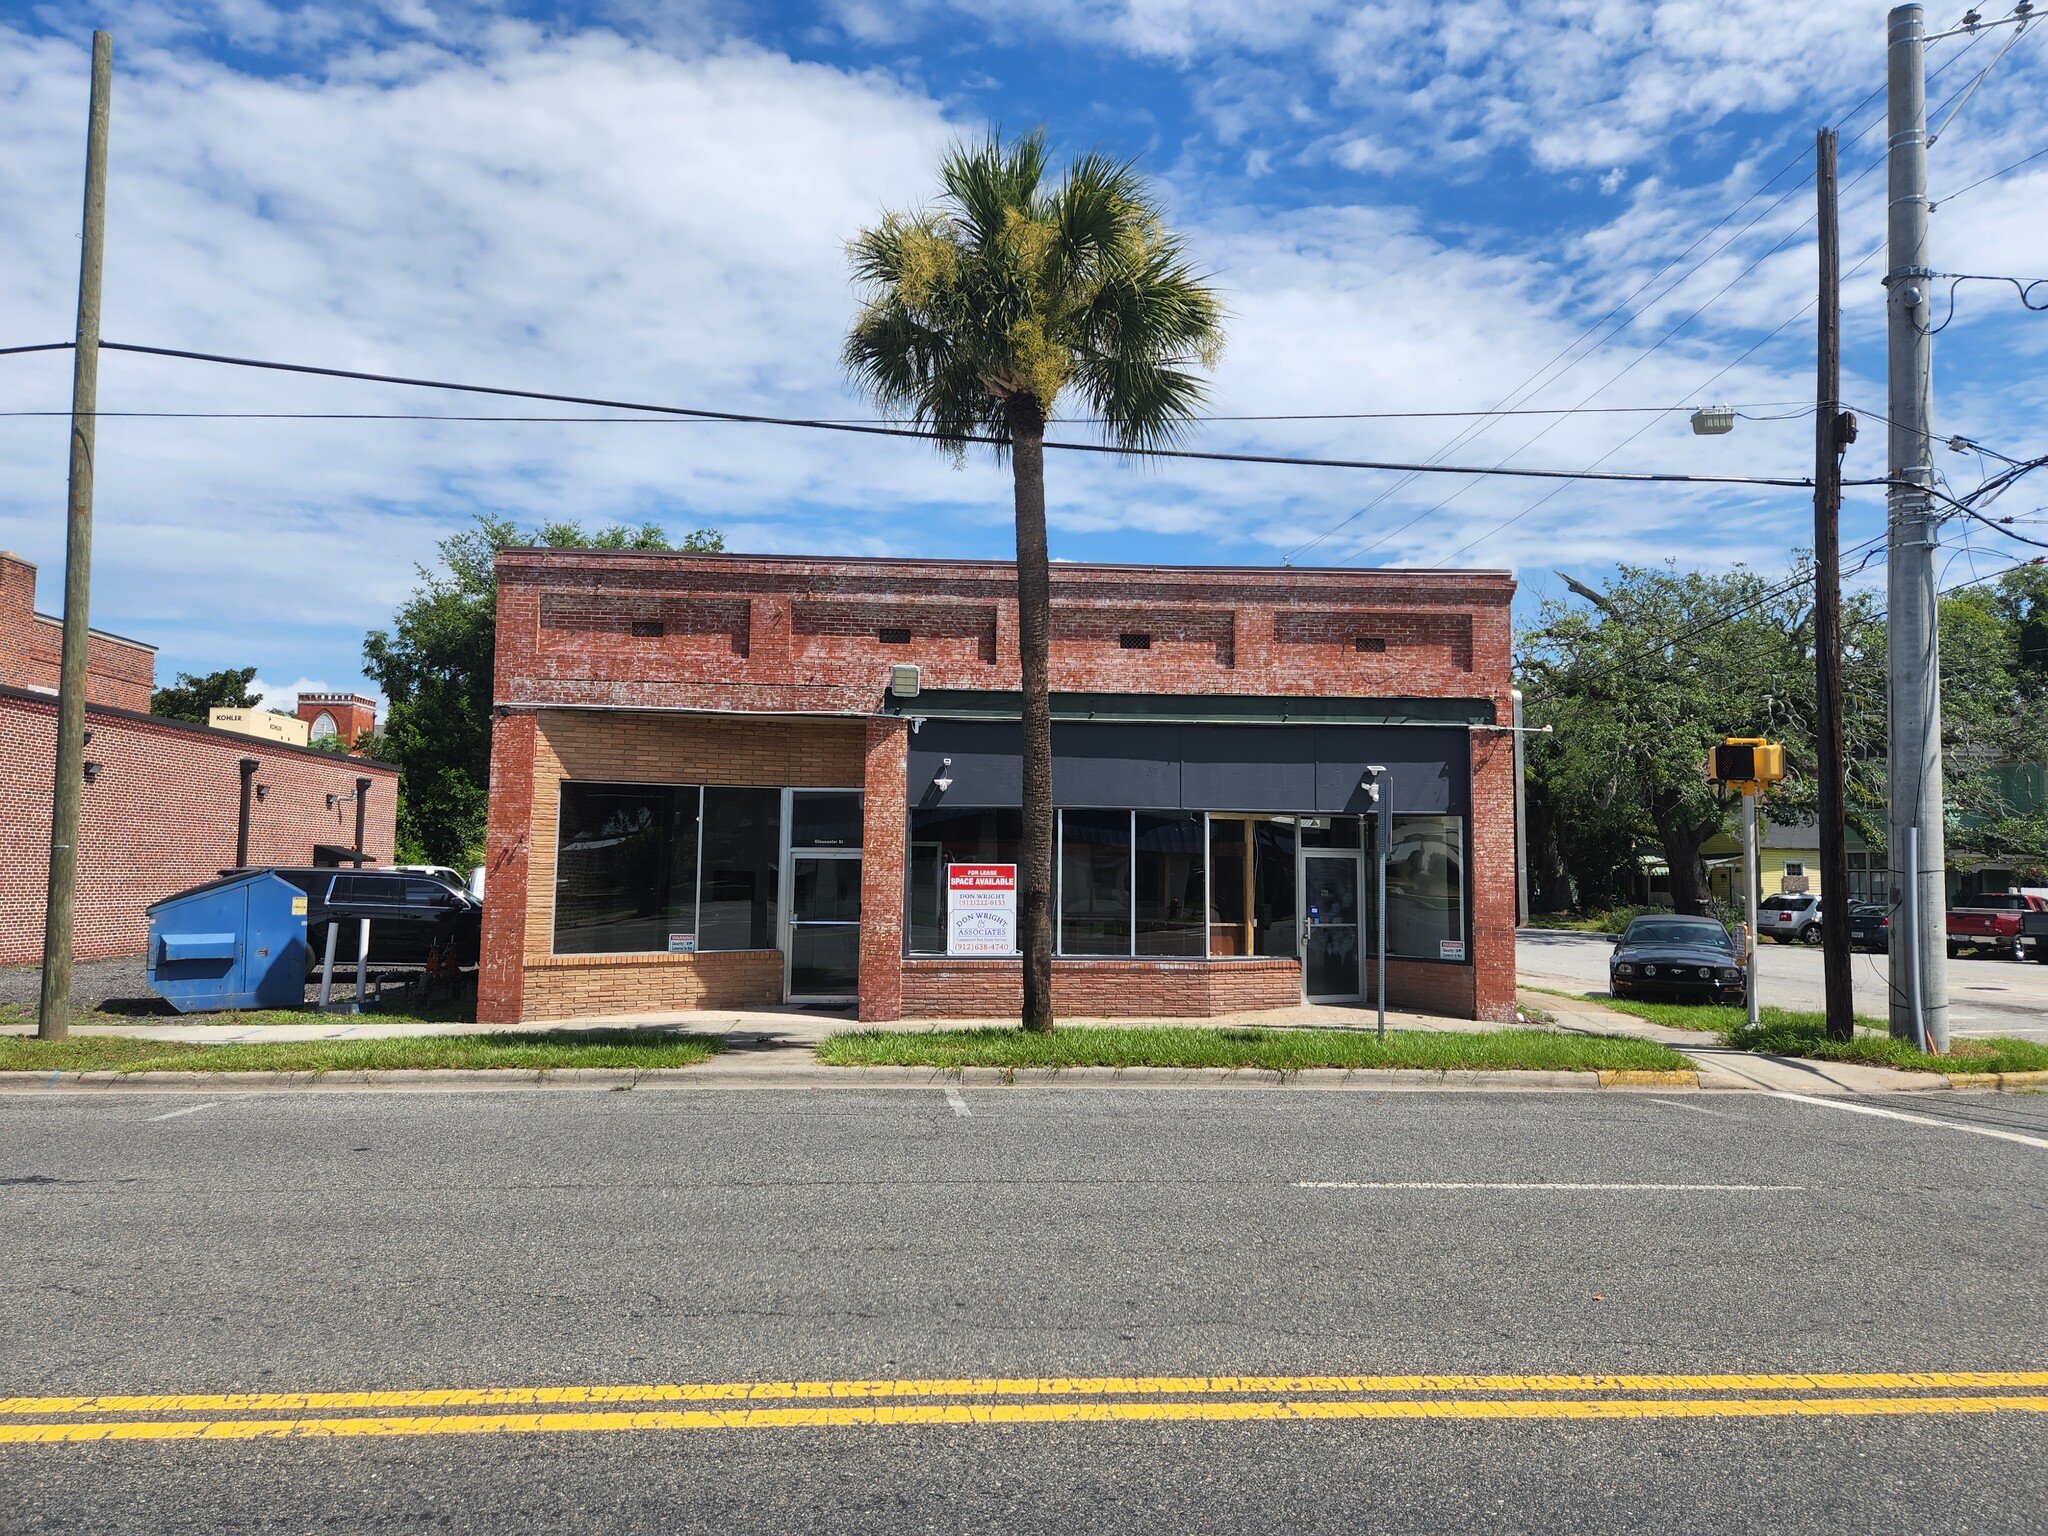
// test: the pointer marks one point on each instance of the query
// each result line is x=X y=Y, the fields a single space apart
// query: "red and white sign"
x=981 y=909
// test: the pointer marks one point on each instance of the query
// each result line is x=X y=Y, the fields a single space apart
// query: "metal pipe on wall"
x=249 y=766
x=362 y=804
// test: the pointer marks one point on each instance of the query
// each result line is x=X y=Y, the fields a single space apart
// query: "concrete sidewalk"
x=1721 y=1067
x=788 y=1028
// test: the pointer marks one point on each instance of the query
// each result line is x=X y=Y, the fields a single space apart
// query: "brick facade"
x=119 y=673
x=349 y=715
x=772 y=671
x=160 y=814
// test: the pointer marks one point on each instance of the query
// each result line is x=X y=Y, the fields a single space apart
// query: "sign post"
x=1749 y=765
x=981 y=909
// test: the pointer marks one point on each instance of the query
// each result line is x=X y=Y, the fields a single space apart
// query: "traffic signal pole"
x=1913 y=661
x=1749 y=886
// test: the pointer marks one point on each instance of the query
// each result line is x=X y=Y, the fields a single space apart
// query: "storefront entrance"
x=1331 y=880
x=824 y=895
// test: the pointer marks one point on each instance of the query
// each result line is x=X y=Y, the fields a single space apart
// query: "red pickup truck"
x=1995 y=922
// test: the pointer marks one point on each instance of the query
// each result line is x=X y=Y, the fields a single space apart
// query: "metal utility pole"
x=1914 y=671
x=53 y=1017
x=1749 y=890
x=1831 y=425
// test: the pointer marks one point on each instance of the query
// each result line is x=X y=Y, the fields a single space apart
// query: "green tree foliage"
x=1639 y=679
x=981 y=312
x=435 y=667
x=191 y=697
x=1994 y=707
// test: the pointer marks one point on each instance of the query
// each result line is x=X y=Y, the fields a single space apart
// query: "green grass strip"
x=1802 y=1032
x=551 y=1049
x=1271 y=1050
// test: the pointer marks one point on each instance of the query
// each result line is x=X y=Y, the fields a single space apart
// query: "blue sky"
x=1408 y=207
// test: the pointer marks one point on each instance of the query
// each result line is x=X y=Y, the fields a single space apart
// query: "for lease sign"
x=981 y=909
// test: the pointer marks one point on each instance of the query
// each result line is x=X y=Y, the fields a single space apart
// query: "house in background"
x=167 y=804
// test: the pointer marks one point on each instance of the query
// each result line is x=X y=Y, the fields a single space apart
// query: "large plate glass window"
x=939 y=838
x=1095 y=882
x=1426 y=888
x=626 y=867
x=742 y=860
x=1170 y=878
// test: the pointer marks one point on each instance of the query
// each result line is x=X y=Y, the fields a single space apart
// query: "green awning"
x=1195 y=709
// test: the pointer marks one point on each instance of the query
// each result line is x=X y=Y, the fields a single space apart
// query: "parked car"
x=409 y=915
x=1870 y=926
x=1789 y=918
x=1683 y=957
x=2034 y=929
x=1992 y=922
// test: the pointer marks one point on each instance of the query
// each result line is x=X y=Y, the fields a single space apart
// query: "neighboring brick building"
x=165 y=803
x=346 y=715
x=118 y=672
x=706 y=791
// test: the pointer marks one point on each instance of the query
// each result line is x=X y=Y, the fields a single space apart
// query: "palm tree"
x=979 y=312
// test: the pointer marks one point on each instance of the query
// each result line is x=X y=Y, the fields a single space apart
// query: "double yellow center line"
x=1007 y=1400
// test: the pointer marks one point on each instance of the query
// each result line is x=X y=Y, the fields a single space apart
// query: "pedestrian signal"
x=1748 y=761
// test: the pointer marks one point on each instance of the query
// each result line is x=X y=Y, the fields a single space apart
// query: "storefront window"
x=1170 y=870
x=1274 y=933
x=1426 y=888
x=742 y=859
x=940 y=838
x=626 y=869
x=1095 y=883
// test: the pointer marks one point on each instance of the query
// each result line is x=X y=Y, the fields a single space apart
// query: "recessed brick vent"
x=649 y=629
x=1135 y=642
x=1372 y=644
x=893 y=636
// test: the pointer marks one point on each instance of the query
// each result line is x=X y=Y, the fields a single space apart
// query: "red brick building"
x=165 y=804
x=728 y=781
x=346 y=715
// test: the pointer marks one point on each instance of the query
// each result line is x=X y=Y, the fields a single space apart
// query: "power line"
x=1980 y=181
x=821 y=425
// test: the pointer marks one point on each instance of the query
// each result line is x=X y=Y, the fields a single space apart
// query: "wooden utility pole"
x=1832 y=427
x=53 y=1018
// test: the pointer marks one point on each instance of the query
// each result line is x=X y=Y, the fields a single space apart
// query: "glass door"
x=824 y=925
x=1331 y=880
x=824 y=894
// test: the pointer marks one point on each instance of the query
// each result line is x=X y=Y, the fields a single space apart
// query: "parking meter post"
x=327 y=967
x=1749 y=885
x=362 y=964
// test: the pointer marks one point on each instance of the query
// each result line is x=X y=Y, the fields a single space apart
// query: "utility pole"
x=1832 y=428
x=53 y=1017
x=1913 y=657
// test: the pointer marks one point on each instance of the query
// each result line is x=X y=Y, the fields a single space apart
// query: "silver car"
x=1789 y=919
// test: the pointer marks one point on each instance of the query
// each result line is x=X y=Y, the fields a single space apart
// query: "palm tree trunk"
x=1034 y=626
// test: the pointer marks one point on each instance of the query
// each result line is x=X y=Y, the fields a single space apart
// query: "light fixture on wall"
x=336 y=801
x=92 y=772
x=944 y=780
x=262 y=791
x=903 y=681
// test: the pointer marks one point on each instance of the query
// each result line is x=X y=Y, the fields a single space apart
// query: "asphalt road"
x=355 y=1242
x=1986 y=996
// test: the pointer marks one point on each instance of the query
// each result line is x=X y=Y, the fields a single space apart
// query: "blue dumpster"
x=238 y=942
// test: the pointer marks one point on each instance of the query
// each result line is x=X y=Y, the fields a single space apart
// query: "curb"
x=2002 y=1081
x=810 y=1076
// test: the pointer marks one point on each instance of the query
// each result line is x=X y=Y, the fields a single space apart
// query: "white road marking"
x=189 y=1109
x=1899 y=1114
x=959 y=1104
x=1695 y=1108
x=1719 y=1189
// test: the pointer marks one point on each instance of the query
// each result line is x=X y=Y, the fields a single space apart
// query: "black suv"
x=409 y=914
